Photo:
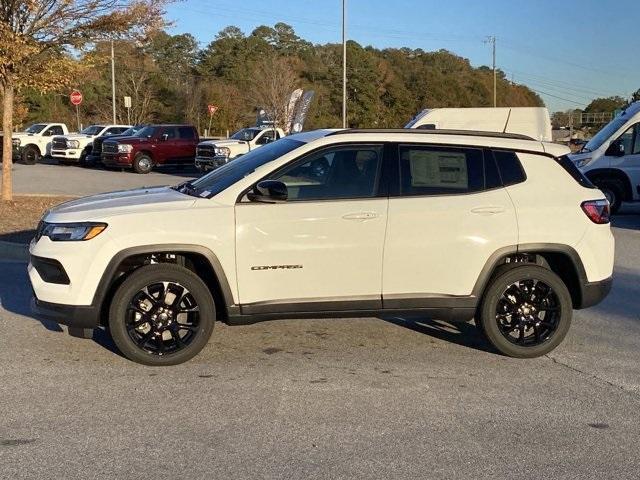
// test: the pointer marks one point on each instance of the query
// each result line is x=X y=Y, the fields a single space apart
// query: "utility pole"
x=492 y=40
x=113 y=82
x=344 y=63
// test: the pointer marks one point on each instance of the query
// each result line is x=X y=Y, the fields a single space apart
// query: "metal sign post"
x=76 y=99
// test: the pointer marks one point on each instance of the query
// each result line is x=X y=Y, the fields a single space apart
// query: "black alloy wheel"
x=525 y=311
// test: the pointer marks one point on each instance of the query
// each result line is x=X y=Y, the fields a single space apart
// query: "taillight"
x=597 y=210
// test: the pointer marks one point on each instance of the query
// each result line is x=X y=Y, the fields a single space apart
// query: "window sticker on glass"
x=438 y=169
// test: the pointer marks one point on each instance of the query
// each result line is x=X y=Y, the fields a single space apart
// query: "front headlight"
x=72 y=232
x=223 y=151
x=16 y=142
x=583 y=162
x=73 y=144
x=125 y=148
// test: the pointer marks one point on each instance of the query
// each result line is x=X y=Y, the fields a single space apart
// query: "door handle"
x=360 y=216
x=488 y=210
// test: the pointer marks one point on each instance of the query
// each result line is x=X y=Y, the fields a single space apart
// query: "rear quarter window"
x=509 y=167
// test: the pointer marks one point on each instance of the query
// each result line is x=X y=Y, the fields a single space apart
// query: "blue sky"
x=570 y=51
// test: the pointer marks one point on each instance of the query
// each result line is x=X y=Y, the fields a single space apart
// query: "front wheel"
x=526 y=312
x=142 y=163
x=31 y=155
x=613 y=193
x=163 y=314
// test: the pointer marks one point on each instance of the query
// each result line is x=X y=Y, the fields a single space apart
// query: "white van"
x=533 y=122
x=611 y=159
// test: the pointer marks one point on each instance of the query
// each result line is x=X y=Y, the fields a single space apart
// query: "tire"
x=142 y=163
x=613 y=191
x=145 y=332
x=30 y=155
x=82 y=161
x=534 y=290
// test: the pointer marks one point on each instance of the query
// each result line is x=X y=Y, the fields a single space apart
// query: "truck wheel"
x=163 y=314
x=613 y=191
x=30 y=155
x=82 y=161
x=142 y=163
x=525 y=312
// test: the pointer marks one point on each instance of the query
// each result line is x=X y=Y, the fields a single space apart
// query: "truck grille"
x=97 y=146
x=59 y=143
x=109 y=147
x=206 y=151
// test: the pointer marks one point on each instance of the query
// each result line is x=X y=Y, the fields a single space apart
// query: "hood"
x=76 y=136
x=100 y=207
x=22 y=135
x=224 y=143
x=125 y=139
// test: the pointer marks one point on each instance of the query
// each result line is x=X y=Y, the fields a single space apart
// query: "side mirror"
x=269 y=191
x=616 y=149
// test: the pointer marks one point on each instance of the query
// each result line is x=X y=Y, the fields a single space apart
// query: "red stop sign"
x=212 y=109
x=76 y=97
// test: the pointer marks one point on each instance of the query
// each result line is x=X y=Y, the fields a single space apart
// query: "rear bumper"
x=594 y=292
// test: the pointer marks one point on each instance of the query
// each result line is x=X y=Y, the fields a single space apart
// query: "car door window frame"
x=396 y=180
x=380 y=189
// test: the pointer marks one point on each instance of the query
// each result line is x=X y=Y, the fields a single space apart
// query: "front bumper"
x=73 y=316
x=593 y=293
x=211 y=163
x=116 y=159
x=72 y=154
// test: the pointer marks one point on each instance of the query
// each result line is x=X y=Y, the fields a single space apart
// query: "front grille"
x=58 y=143
x=97 y=146
x=109 y=147
x=206 y=151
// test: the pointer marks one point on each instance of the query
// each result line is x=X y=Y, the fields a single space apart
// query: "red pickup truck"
x=154 y=145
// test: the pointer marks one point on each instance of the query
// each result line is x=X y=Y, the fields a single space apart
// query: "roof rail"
x=431 y=131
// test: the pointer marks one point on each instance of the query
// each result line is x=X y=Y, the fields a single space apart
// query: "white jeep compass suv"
x=452 y=225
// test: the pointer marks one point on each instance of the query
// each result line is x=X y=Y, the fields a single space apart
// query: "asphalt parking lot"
x=343 y=398
x=50 y=178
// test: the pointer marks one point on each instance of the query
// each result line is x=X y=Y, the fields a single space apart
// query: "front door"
x=322 y=248
x=629 y=163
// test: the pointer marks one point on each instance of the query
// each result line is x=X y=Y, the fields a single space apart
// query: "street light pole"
x=344 y=63
x=492 y=40
x=113 y=82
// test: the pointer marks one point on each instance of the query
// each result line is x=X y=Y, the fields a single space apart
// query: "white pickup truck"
x=74 y=147
x=212 y=154
x=35 y=142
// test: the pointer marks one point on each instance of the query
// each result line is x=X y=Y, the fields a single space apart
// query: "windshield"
x=225 y=176
x=603 y=135
x=246 y=134
x=146 y=132
x=37 y=128
x=92 y=130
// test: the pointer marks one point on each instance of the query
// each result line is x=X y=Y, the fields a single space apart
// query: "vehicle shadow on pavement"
x=461 y=333
x=15 y=294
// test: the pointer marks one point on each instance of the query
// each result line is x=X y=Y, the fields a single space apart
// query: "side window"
x=55 y=130
x=636 y=142
x=112 y=131
x=170 y=132
x=266 y=137
x=427 y=170
x=338 y=173
x=627 y=140
x=511 y=170
x=186 y=133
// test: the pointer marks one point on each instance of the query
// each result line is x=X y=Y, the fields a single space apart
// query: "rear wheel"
x=613 y=191
x=142 y=163
x=31 y=155
x=162 y=314
x=526 y=311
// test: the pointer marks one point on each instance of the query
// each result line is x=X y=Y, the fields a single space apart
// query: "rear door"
x=448 y=214
x=187 y=142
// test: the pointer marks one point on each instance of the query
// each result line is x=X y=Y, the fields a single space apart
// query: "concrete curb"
x=17 y=252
